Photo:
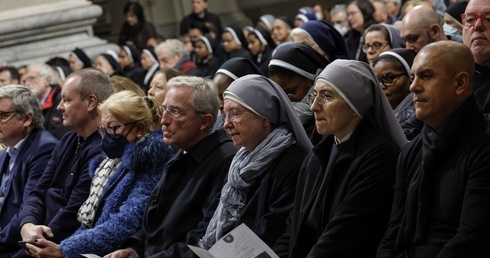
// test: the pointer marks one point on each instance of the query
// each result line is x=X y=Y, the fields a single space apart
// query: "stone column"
x=36 y=30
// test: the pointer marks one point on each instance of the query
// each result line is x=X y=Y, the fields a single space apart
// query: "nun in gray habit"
x=260 y=187
x=345 y=186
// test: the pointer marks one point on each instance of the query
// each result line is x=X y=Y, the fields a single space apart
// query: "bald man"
x=421 y=26
x=477 y=37
x=441 y=206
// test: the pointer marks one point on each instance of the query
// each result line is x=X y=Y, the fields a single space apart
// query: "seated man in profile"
x=50 y=211
x=22 y=163
x=442 y=190
x=191 y=182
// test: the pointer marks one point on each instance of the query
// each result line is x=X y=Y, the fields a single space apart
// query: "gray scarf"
x=244 y=169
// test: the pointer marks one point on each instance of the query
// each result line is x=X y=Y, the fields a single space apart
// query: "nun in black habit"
x=345 y=186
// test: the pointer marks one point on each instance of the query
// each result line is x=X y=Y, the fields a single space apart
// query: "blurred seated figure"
x=41 y=79
x=281 y=29
x=205 y=49
x=129 y=61
x=235 y=43
x=172 y=54
x=149 y=62
x=136 y=30
x=108 y=63
x=121 y=83
x=78 y=60
x=9 y=75
x=261 y=45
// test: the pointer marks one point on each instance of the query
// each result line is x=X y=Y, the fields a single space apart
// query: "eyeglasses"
x=112 y=130
x=388 y=80
x=320 y=98
x=6 y=116
x=470 y=19
x=376 y=46
x=172 y=112
x=232 y=115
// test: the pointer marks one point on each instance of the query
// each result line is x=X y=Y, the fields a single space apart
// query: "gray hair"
x=24 y=101
x=44 y=70
x=94 y=82
x=205 y=97
x=175 y=47
x=337 y=9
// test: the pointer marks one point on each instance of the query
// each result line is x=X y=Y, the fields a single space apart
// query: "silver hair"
x=24 y=101
x=205 y=97
x=175 y=47
x=44 y=70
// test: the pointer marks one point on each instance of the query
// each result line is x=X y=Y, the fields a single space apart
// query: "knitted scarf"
x=244 y=169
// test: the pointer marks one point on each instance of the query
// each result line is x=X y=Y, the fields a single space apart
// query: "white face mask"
x=452 y=32
x=341 y=28
x=319 y=15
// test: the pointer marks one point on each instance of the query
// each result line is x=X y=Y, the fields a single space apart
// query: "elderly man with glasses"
x=476 y=35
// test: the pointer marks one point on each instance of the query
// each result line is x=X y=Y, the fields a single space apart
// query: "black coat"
x=481 y=86
x=188 y=191
x=442 y=208
x=342 y=213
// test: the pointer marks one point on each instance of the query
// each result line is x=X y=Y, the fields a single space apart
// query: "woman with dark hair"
x=207 y=61
x=136 y=30
x=360 y=16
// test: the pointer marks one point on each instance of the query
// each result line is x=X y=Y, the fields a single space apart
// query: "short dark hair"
x=14 y=74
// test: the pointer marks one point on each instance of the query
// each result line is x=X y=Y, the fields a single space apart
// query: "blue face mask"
x=114 y=145
x=452 y=32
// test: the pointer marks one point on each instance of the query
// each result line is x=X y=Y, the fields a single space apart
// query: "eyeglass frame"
x=310 y=99
x=4 y=119
x=394 y=79
x=103 y=130
x=365 y=47
x=233 y=116
x=478 y=17
x=176 y=114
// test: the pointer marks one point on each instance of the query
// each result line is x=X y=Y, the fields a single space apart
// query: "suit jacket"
x=188 y=191
x=30 y=162
x=63 y=187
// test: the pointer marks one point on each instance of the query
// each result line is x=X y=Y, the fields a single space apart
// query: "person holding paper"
x=345 y=185
x=272 y=143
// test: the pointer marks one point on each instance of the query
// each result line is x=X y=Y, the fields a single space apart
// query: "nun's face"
x=376 y=44
x=256 y=47
x=395 y=83
x=201 y=50
x=295 y=86
x=146 y=61
x=103 y=65
x=124 y=60
x=229 y=43
x=280 y=31
x=74 y=64
x=245 y=127
x=333 y=116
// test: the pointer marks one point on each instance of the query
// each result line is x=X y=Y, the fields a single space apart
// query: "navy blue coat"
x=31 y=160
x=63 y=187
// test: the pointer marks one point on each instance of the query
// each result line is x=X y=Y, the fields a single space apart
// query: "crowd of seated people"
x=356 y=130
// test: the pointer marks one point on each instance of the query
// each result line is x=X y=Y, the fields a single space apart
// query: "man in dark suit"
x=50 y=212
x=28 y=151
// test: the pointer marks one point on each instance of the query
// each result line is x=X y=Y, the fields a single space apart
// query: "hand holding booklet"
x=239 y=243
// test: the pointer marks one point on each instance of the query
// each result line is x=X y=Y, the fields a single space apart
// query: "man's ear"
x=28 y=118
x=92 y=102
x=206 y=119
x=435 y=31
x=462 y=80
